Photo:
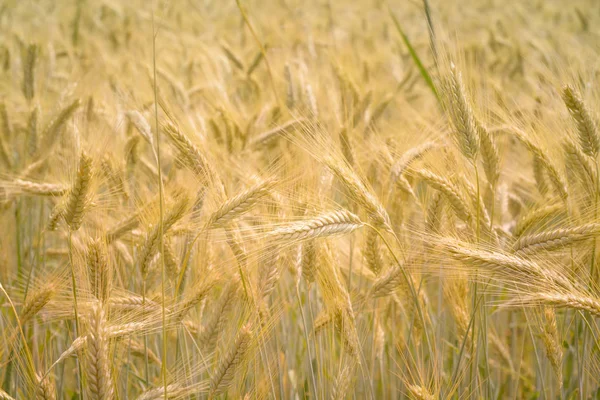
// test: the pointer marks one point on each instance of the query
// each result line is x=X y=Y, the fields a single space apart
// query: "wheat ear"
x=450 y=191
x=99 y=271
x=99 y=381
x=461 y=115
x=329 y=224
x=227 y=368
x=589 y=139
x=555 y=239
x=36 y=302
x=78 y=196
x=240 y=204
x=552 y=343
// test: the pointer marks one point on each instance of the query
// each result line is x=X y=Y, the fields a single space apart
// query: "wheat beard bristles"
x=330 y=224
x=78 y=196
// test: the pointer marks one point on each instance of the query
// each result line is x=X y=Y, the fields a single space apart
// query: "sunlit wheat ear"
x=229 y=364
x=569 y=299
x=372 y=252
x=342 y=384
x=552 y=343
x=538 y=216
x=540 y=156
x=359 y=191
x=197 y=294
x=511 y=266
x=55 y=216
x=98 y=269
x=435 y=209
x=39 y=189
x=489 y=155
x=174 y=214
x=388 y=282
x=408 y=158
x=175 y=391
x=171 y=260
x=555 y=239
x=218 y=317
x=36 y=301
x=461 y=114
x=456 y=294
x=45 y=390
x=329 y=224
x=582 y=165
x=268 y=272
x=307 y=261
x=419 y=392
x=192 y=156
x=450 y=191
x=240 y=204
x=587 y=127
x=78 y=196
x=97 y=357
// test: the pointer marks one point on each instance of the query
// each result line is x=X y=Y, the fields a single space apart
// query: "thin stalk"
x=312 y=372
x=146 y=362
x=409 y=283
x=163 y=365
x=74 y=287
x=18 y=238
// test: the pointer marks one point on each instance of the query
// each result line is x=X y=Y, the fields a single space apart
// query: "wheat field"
x=299 y=199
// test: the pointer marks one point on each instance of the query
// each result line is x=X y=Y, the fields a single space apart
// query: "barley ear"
x=78 y=197
x=587 y=128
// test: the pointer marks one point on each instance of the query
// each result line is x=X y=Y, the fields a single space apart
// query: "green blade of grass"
x=415 y=56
